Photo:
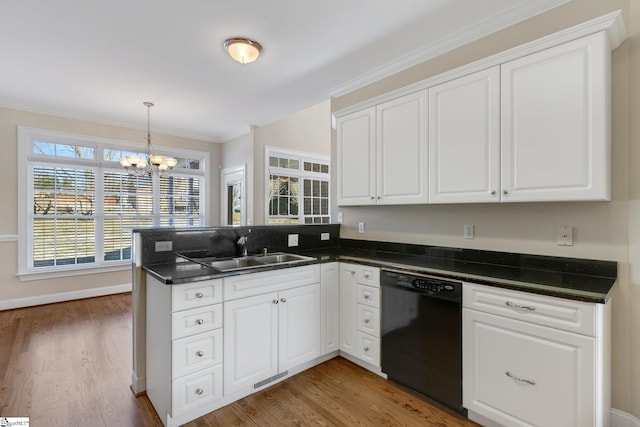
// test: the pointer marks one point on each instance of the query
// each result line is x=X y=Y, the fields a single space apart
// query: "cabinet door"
x=348 y=312
x=464 y=139
x=299 y=326
x=356 y=142
x=556 y=124
x=250 y=341
x=402 y=153
x=520 y=374
x=330 y=308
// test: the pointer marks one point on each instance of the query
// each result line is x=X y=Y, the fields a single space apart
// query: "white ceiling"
x=98 y=60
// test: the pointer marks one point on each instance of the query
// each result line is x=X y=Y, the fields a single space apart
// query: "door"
x=555 y=125
x=348 y=313
x=356 y=174
x=330 y=307
x=233 y=196
x=250 y=341
x=464 y=139
x=402 y=152
x=521 y=374
x=299 y=320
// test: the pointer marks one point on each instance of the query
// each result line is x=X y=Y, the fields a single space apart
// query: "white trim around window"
x=100 y=166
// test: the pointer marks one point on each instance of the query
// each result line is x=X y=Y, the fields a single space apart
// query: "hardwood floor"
x=69 y=364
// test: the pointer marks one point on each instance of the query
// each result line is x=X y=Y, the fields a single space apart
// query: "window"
x=78 y=205
x=298 y=188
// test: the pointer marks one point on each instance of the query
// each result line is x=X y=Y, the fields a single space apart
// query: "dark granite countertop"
x=582 y=280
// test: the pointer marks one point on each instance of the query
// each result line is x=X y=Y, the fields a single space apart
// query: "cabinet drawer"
x=568 y=315
x=195 y=321
x=369 y=276
x=196 y=294
x=246 y=285
x=519 y=374
x=369 y=320
x=196 y=390
x=192 y=354
x=368 y=295
x=368 y=348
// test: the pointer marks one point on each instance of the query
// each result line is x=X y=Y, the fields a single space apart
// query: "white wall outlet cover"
x=293 y=240
x=339 y=217
x=325 y=236
x=564 y=236
x=469 y=231
x=361 y=227
x=164 y=246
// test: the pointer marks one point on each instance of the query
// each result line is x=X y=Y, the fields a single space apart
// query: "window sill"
x=75 y=271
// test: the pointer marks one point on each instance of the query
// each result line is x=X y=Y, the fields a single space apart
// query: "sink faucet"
x=242 y=241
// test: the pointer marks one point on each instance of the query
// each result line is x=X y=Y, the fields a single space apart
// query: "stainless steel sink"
x=253 y=261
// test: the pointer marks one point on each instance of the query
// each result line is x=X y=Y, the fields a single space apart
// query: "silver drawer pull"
x=200 y=353
x=518 y=306
x=366 y=276
x=367 y=296
x=199 y=321
x=199 y=391
x=275 y=301
x=199 y=295
x=366 y=320
x=283 y=300
x=366 y=349
x=510 y=375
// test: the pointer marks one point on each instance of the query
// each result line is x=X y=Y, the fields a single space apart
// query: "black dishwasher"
x=422 y=335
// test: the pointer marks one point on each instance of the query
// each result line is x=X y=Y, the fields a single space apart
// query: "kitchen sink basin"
x=253 y=261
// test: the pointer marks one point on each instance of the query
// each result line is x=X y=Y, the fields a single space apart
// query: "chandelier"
x=151 y=163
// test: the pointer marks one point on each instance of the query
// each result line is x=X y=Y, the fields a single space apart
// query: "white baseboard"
x=64 y=296
x=622 y=419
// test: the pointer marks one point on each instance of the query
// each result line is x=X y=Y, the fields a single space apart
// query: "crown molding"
x=612 y=23
x=446 y=44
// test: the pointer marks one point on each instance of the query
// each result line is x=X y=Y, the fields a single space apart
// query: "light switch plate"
x=564 y=236
x=469 y=231
x=361 y=227
x=293 y=240
x=164 y=246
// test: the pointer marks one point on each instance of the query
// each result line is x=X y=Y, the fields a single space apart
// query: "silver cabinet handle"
x=199 y=391
x=275 y=301
x=200 y=353
x=283 y=300
x=510 y=375
x=367 y=320
x=372 y=197
x=199 y=295
x=518 y=306
x=379 y=197
x=352 y=272
x=505 y=192
x=493 y=192
x=367 y=275
x=367 y=296
x=366 y=349
x=199 y=321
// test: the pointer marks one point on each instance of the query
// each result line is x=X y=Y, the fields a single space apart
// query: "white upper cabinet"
x=556 y=124
x=383 y=153
x=357 y=158
x=464 y=139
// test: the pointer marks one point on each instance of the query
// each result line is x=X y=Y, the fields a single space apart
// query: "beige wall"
x=602 y=230
x=11 y=288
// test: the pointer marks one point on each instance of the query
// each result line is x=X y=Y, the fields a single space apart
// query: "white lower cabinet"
x=360 y=313
x=524 y=364
x=184 y=349
x=268 y=334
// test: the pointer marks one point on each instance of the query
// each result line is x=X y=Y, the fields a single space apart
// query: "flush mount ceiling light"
x=242 y=50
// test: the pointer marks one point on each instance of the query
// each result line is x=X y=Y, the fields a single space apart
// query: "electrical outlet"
x=164 y=246
x=325 y=236
x=339 y=217
x=564 y=236
x=361 y=227
x=293 y=240
x=469 y=231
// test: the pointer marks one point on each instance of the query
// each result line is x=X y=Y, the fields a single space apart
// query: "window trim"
x=27 y=134
x=302 y=174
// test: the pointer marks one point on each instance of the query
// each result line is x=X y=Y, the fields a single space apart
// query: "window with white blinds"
x=80 y=206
